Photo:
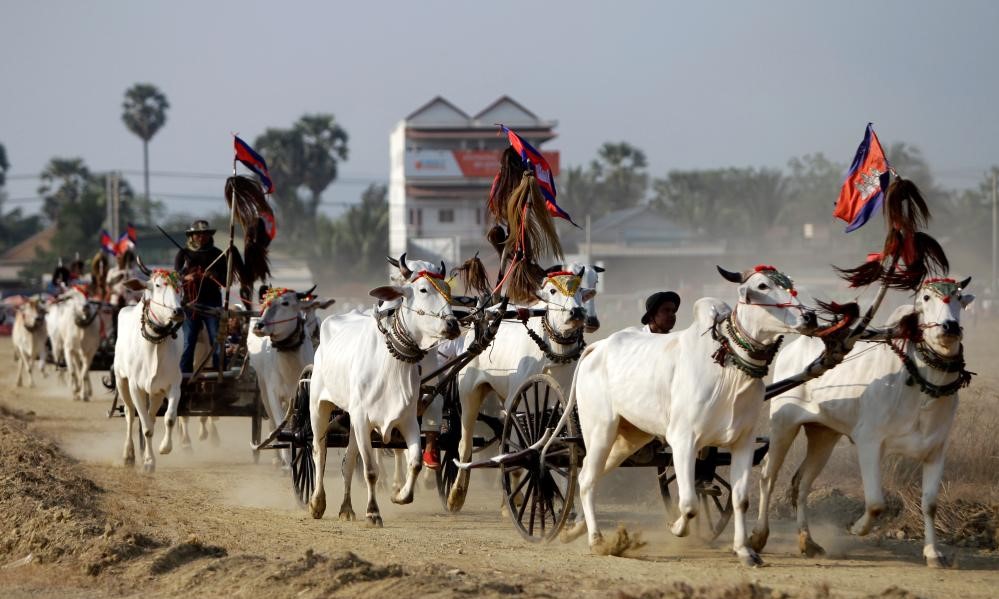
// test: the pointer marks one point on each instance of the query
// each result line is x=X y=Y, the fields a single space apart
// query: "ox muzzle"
x=951 y=328
x=577 y=314
x=592 y=324
x=451 y=328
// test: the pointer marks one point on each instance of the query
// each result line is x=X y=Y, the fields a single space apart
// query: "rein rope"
x=86 y=321
x=725 y=354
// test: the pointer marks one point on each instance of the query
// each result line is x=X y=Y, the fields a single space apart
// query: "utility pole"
x=115 y=204
x=107 y=201
x=995 y=253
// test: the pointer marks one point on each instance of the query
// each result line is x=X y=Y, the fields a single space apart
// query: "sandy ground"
x=216 y=497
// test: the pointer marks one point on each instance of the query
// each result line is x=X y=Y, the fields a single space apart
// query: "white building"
x=442 y=165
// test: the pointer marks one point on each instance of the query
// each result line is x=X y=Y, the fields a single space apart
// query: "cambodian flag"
x=125 y=243
x=107 y=244
x=253 y=161
x=542 y=171
x=130 y=231
x=865 y=184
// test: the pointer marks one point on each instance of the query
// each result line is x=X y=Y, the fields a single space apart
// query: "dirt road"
x=212 y=522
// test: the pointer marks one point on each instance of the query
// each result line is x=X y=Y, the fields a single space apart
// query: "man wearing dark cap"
x=202 y=268
x=660 y=312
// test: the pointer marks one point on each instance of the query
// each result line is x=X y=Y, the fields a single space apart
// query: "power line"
x=358 y=180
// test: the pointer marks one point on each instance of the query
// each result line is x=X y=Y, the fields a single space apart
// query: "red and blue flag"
x=865 y=184
x=253 y=161
x=125 y=243
x=107 y=244
x=542 y=171
x=130 y=231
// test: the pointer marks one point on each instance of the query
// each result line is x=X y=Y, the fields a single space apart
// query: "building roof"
x=439 y=113
x=24 y=252
x=640 y=225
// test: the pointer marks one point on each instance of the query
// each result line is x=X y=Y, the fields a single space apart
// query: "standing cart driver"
x=202 y=268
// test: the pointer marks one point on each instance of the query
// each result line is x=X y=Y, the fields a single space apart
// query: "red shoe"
x=432 y=457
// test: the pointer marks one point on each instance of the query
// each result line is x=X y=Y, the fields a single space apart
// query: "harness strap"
x=936 y=362
x=291 y=342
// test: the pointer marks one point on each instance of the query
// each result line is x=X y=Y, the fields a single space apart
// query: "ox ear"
x=135 y=284
x=586 y=294
x=733 y=277
x=966 y=299
x=323 y=304
x=386 y=293
x=599 y=268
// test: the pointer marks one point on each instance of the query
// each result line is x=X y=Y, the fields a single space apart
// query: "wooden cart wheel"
x=447 y=441
x=714 y=498
x=539 y=494
x=303 y=466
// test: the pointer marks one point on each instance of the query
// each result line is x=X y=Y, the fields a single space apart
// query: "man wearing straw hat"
x=202 y=268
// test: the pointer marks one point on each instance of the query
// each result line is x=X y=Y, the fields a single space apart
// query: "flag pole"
x=224 y=323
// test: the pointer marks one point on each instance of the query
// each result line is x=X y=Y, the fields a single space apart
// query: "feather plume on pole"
x=532 y=236
x=905 y=213
x=473 y=276
x=252 y=212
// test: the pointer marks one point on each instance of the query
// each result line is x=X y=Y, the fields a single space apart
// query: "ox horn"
x=142 y=267
x=392 y=261
x=734 y=277
x=403 y=267
x=443 y=268
x=599 y=268
x=305 y=294
x=964 y=284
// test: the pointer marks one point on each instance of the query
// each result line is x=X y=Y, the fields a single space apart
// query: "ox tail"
x=110 y=383
x=570 y=402
x=792 y=489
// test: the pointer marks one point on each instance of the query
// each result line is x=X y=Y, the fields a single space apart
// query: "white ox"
x=147 y=360
x=28 y=336
x=281 y=347
x=79 y=332
x=514 y=357
x=875 y=401
x=53 y=316
x=633 y=387
x=355 y=371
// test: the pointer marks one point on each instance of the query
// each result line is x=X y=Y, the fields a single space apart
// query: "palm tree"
x=325 y=145
x=63 y=181
x=144 y=114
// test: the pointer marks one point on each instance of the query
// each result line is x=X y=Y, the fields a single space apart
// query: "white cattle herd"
x=695 y=388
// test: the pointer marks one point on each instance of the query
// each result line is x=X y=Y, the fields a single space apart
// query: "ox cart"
x=227 y=392
x=538 y=493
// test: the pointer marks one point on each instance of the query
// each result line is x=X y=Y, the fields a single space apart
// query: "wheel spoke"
x=520 y=485
x=523 y=505
x=534 y=510
x=520 y=431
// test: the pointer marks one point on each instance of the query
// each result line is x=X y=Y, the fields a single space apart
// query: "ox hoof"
x=680 y=528
x=456 y=499
x=807 y=546
x=346 y=515
x=149 y=468
x=166 y=449
x=130 y=460
x=317 y=507
x=373 y=521
x=405 y=500
x=758 y=540
x=187 y=448
x=939 y=561
x=203 y=435
x=750 y=559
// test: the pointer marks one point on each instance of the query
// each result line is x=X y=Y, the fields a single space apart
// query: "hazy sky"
x=693 y=84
